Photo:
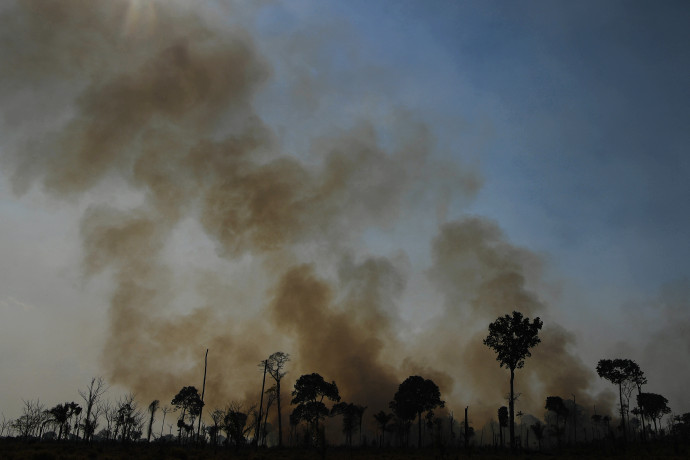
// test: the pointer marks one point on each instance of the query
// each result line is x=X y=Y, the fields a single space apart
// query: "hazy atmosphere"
x=363 y=185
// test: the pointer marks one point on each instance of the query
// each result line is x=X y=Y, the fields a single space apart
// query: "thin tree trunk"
x=163 y=423
x=467 y=430
x=644 y=430
x=280 y=419
x=257 y=433
x=512 y=411
x=620 y=396
x=419 y=425
x=574 y=420
x=203 y=390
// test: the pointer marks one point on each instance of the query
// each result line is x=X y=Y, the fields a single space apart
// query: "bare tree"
x=91 y=395
x=5 y=426
x=166 y=411
x=275 y=366
x=271 y=395
x=29 y=423
x=109 y=411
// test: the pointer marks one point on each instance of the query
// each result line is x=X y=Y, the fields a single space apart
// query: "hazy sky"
x=563 y=124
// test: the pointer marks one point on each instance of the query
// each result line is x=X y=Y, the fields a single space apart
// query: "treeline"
x=641 y=416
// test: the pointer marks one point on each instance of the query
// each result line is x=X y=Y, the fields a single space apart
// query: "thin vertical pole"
x=203 y=391
x=574 y=420
x=467 y=430
x=257 y=436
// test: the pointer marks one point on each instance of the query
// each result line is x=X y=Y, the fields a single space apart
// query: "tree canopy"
x=189 y=400
x=511 y=337
x=619 y=371
x=415 y=396
x=309 y=393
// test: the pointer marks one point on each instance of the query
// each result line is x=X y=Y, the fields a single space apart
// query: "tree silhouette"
x=166 y=410
x=153 y=407
x=235 y=424
x=382 y=419
x=538 y=430
x=637 y=377
x=414 y=396
x=502 y=421
x=276 y=365
x=654 y=406
x=59 y=414
x=350 y=413
x=271 y=397
x=217 y=417
x=189 y=400
x=128 y=421
x=511 y=337
x=617 y=371
x=91 y=395
x=33 y=417
x=309 y=393
x=556 y=405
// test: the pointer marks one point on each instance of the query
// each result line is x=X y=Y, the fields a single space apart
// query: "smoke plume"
x=155 y=101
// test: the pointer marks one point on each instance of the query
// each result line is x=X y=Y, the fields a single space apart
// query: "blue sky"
x=588 y=104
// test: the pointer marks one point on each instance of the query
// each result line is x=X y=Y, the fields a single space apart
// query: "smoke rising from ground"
x=167 y=109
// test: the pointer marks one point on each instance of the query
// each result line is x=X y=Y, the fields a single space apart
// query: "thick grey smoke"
x=167 y=112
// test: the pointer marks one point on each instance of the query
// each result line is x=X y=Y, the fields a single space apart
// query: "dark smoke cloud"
x=168 y=111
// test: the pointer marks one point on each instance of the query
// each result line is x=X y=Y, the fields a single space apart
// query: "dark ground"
x=12 y=449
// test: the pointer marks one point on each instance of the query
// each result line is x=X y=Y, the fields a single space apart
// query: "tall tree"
x=415 y=396
x=271 y=397
x=257 y=432
x=618 y=371
x=276 y=365
x=153 y=407
x=638 y=378
x=309 y=393
x=203 y=392
x=511 y=337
